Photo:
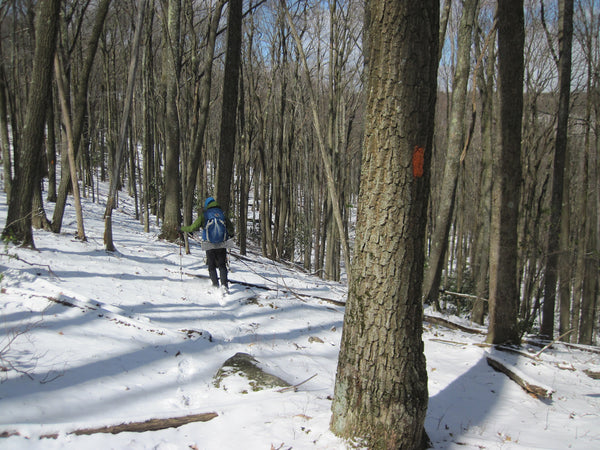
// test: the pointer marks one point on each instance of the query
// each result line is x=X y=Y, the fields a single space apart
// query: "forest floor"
x=120 y=350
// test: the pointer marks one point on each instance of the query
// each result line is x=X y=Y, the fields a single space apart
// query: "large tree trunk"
x=439 y=239
x=18 y=220
x=381 y=385
x=504 y=290
x=230 y=103
x=204 y=91
x=565 y=35
x=172 y=68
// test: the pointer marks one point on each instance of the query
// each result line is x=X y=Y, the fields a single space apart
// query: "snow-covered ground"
x=90 y=339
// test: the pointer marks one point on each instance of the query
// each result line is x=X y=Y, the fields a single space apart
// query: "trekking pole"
x=180 y=260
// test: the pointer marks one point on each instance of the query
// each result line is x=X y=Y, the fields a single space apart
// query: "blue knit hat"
x=208 y=201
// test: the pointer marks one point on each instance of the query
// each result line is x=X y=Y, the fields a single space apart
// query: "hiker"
x=216 y=230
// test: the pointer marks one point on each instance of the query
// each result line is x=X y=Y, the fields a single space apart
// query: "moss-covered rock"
x=243 y=373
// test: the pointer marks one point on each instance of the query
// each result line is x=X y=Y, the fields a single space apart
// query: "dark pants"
x=217 y=259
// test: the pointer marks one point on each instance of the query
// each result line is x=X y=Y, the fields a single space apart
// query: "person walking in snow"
x=216 y=231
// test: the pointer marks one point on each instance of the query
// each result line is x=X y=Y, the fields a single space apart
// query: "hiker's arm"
x=195 y=226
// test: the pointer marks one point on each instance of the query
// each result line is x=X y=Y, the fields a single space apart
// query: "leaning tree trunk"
x=66 y=119
x=381 y=386
x=79 y=108
x=443 y=219
x=112 y=193
x=18 y=220
x=332 y=187
x=504 y=290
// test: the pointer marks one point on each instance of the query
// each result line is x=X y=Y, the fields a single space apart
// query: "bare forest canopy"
x=142 y=97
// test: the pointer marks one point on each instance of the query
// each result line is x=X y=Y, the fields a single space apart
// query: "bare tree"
x=504 y=291
x=230 y=105
x=66 y=119
x=445 y=209
x=112 y=193
x=18 y=220
x=79 y=110
x=172 y=70
x=565 y=37
x=381 y=385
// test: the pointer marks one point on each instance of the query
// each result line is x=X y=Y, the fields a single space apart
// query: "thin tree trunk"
x=66 y=119
x=439 y=239
x=79 y=109
x=51 y=152
x=327 y=164
x=4 y=141
x=482 y=246
x=112 y=193
x=565 y=35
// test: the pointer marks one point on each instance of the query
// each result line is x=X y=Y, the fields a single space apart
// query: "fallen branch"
x=537 y=355
x=584 y=348
x=538 y=391
x=148 y=425
x=459 y=294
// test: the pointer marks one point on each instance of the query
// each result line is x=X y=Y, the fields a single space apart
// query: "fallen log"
x=454 y=326
x=538 y=391
x=148 y=425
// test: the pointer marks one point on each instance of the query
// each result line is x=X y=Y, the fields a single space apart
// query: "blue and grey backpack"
x=215 y=229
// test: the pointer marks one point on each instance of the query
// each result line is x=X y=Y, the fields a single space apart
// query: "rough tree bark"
x=18 y=220
x=381 y=386
x=172 y=70
x=230 y=103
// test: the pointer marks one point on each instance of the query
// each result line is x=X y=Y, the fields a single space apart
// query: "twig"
x=537 y=355
x=18 y=258
x=295 y=386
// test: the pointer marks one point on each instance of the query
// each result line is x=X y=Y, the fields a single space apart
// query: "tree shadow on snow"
x=462 y=407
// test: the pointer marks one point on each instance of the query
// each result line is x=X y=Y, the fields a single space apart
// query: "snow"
x=90 y=339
